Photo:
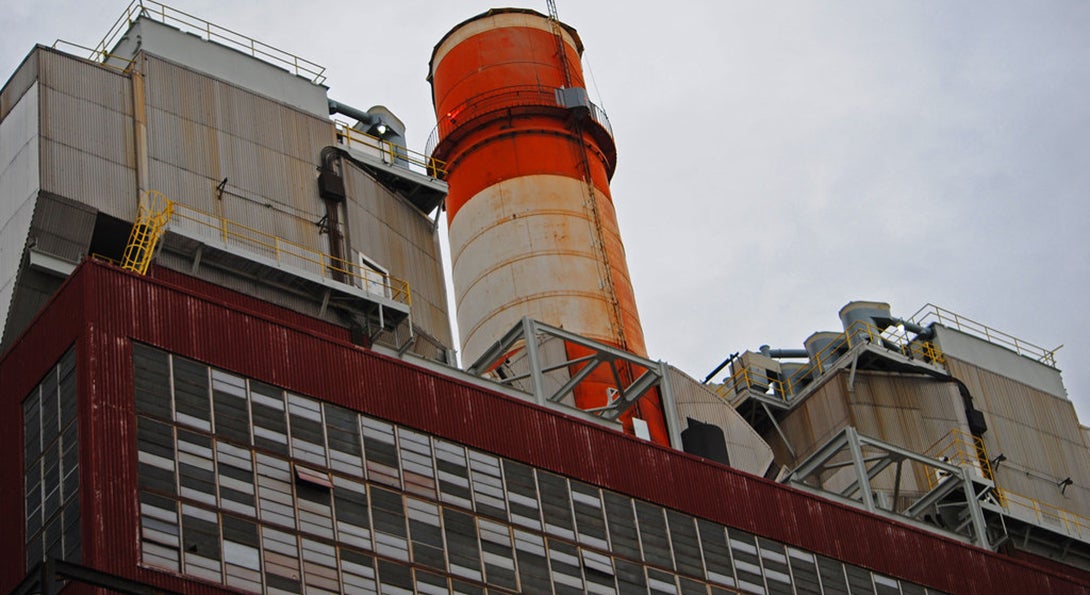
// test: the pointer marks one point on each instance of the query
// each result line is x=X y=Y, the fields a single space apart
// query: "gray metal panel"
x=84 y=124
x=201 y=131
x=18 y=189
x=87 y=80
x=87 y=148
x=62 y=228
x=220 y=61
x=88 y=178
x=999 y=360
x=21 y=81
x=393 y=233
x=1037 y=432
x=748 y=451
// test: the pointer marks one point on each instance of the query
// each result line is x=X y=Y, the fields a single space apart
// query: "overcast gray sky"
x=776 y=159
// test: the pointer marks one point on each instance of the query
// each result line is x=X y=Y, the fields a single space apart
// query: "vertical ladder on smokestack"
x=617 y=322
x=554 y=24
x=152 y=217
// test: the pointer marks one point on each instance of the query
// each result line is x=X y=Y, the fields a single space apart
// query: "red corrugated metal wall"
x=260 y=341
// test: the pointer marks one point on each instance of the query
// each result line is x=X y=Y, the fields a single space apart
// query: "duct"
x=782 y=353
x=877 y=314
x=379 y=122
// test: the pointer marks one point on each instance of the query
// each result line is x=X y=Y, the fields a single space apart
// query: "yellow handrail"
x=860 y=331
x=100 y=57
x=435 y=168
x=931 y=312
x=287 y=252
x=1046 y=514
x=962 y=449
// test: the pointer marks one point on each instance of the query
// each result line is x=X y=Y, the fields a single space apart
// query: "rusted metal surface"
x=106 y=308
x=1037 y=433
x=389 y=231
x=225 y=150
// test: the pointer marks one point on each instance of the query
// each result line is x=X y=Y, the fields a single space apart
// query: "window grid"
x=51 y=466
x=246 y=484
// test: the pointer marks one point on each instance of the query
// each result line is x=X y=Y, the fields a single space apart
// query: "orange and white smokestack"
x=533 y=230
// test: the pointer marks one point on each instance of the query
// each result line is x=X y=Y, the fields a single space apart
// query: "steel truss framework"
x=952 y=505
x=524 y=359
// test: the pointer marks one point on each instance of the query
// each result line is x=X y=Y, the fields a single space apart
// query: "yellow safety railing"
x=785 y=387
x=1046 y=514
x=290 y=253
x=151 y=218
x=962 y=449
x=211 y=32
x=932 y=313
x=390 y=151
x=99 y=56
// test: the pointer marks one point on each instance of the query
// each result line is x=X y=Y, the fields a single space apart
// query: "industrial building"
x=228 y=365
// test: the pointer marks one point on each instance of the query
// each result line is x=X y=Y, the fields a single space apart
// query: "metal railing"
x=961 y=448
x=501 y=99
x=1046 y=514
x=390 y=152
x=289 y=253
x=211 y=32
x=932 y=313
x=786 y=387
x=96 y=55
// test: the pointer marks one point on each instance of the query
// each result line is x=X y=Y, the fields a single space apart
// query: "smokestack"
x=533 y=230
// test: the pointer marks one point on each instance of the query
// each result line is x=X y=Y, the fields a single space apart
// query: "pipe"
x=719 y=367
x=352 y=112
x=782 y=353
x=392 y=129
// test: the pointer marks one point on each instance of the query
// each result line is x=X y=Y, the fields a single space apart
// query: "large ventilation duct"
x=533 y=231
x=876 y=314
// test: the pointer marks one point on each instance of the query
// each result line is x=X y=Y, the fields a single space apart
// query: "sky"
x=776 y=160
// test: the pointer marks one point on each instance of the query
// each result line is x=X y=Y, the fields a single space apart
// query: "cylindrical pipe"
x=533 y=231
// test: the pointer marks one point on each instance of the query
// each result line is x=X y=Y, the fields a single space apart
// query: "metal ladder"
x=151 y=220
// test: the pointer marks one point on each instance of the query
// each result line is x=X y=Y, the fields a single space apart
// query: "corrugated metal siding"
x=1054 y=450
x=62 y=227
x=202 y=130
x=747 y=450
x=87 y=147
x=187 y=317
x=19 y=184
x=88 y=80
x=21 y=368
x=394 y=234
x=20 y=82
